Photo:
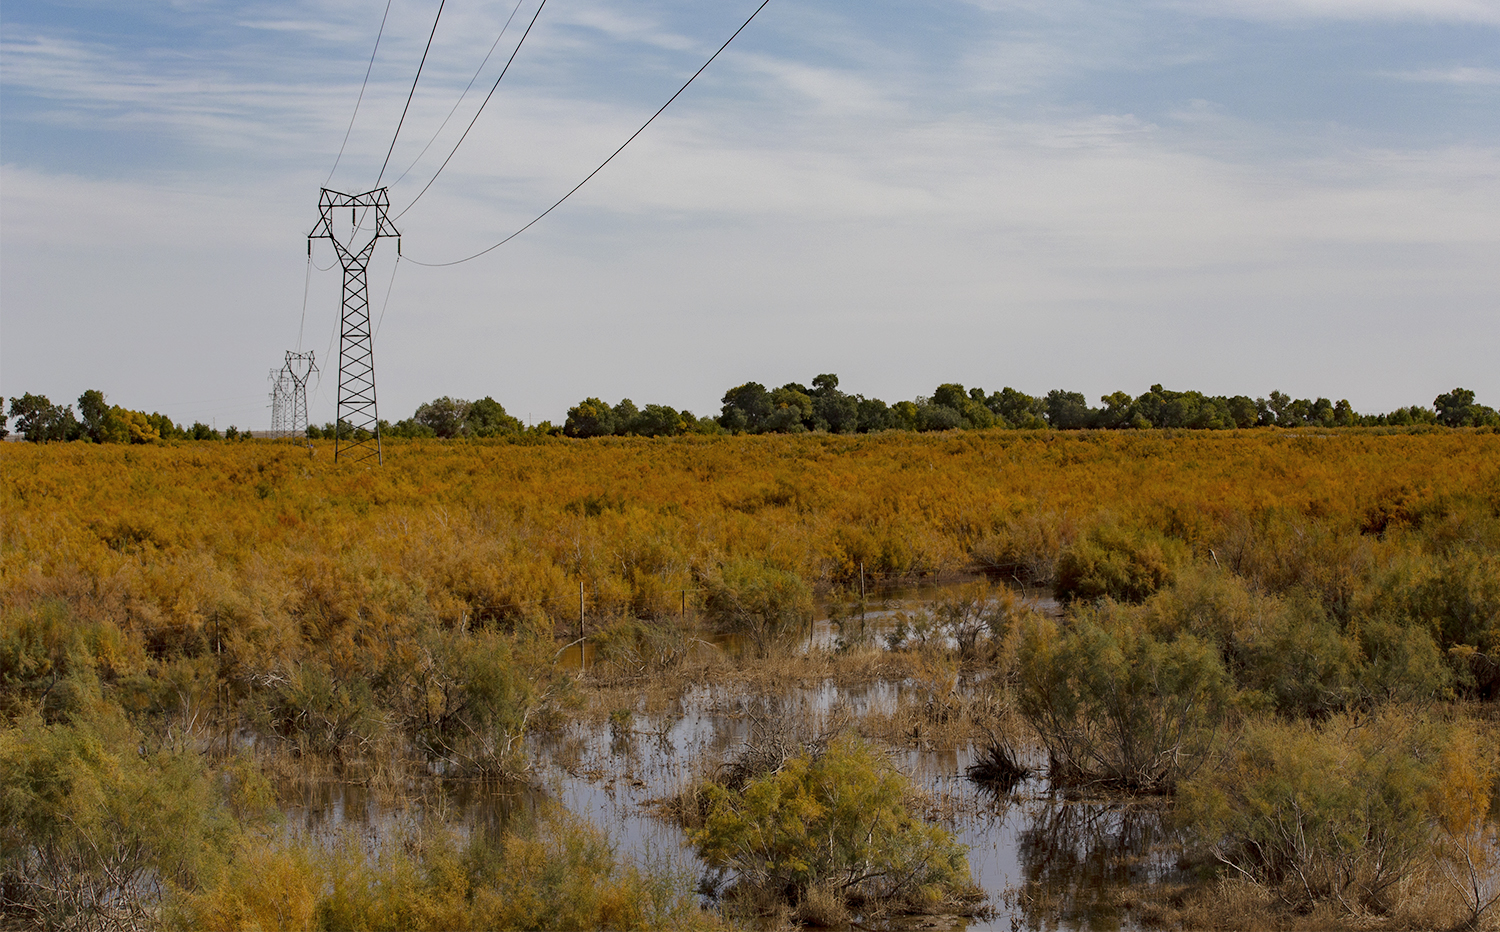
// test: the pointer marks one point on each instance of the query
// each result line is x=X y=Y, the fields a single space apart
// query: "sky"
x=1233 y=196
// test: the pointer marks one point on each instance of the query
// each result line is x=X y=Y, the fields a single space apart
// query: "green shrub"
x=51 y=661
x=757 y=601
x=1402 y=663
x=1115 y=704
x=1461 y=601
x=468 y=700
x=1118 y=563
x=314 y=710
x=1342 y=811
x=840 y=822
x=93 y=828
x=1285 y=651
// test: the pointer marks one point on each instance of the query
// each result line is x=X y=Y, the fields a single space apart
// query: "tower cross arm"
x=378 y=199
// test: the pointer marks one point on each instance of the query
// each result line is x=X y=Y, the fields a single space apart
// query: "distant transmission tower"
x=299 y=367
x=280 y=401
x=357 y=428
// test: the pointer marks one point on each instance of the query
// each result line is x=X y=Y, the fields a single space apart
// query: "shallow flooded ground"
x=1043 y=860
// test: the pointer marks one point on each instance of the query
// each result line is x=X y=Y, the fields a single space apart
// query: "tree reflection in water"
x=1077 y=858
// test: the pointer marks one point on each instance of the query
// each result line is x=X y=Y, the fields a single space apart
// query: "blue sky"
x=1231 y=195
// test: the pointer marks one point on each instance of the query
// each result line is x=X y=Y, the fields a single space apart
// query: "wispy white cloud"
x=1462 y=75
x=872 y=186
x=1453 y=11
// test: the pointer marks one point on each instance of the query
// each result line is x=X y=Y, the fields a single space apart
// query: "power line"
x=514 y=52
x=558 y=203
x=306 y=282
x=514 y=10
x=361 y=97
x=386 y=303
x=409 y=96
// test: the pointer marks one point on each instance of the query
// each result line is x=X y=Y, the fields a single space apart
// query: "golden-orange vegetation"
x=163 y=537
x=156 y=600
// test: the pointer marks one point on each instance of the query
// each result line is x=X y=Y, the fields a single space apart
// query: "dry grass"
x=1237 y=905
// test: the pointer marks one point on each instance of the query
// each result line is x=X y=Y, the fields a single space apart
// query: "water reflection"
x=1045 y=861
x=843 y=624
x=1076 y=857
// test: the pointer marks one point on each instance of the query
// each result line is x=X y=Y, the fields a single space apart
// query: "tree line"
x=39 y=420
x=793 y=408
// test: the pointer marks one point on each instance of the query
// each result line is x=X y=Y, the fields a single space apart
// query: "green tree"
x=487 y=418
x=39 y=420
x=874 y=415
x=625 y=415
x=1296 y=414
x=1243 y=411
x=93 y=411
x=833 y=410
x=1120 y=411
x=1017 y=409
x=590 y=418
x=659 y=421
x=1276 y=409
x=1067 y=410
x=746 y=408
x=905 y=415
x=444 y=416
x=937 y=417
x=1458 y=409
x=791 y=410
x=1453 y=408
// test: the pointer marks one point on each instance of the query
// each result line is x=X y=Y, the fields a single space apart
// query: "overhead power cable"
x=386 y=303
x=558 y=203
x=361 y=97
x=306 y=283
x=435 y=20
x=514 y=10
x=514 y=52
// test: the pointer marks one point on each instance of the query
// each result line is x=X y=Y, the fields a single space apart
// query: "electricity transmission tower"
x=280 y=401
x=299 y=367
x=357 y=426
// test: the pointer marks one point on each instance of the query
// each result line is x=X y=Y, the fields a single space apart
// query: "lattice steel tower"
x=299 y=368
x=280 y=401
x=357 y=426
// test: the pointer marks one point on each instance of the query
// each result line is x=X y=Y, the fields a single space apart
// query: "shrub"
x=1285 y=652
x=315 y=710
x=469 y=701
x=1113 y=704
x=1343 y=811
x=758 y=601
x=93 y=828
x=837 y=824
x=1118 y=563
x=548 y=871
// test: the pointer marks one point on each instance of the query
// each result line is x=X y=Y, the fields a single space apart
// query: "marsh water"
x=1044 y=860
